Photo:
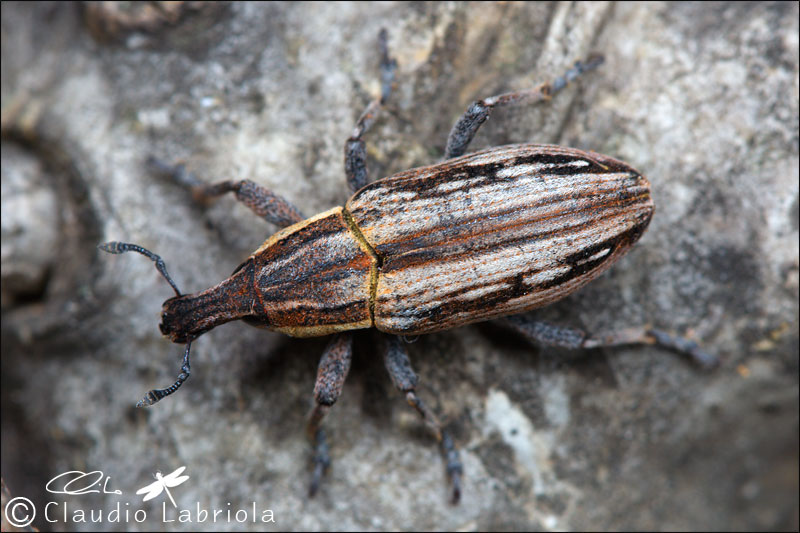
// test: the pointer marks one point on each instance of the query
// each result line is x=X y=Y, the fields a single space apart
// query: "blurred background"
x=701 y=97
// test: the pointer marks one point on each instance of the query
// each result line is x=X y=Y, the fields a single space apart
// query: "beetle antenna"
x=115 y=247
x=154 y=395
x=158 y=394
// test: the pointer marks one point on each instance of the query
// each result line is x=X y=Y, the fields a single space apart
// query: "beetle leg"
x=261 y=201
x=552 y=335
x=332 y=371
x=465 y=127
x=355 y=152
x=403 y=376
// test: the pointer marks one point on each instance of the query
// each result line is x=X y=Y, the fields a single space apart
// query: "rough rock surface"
x=701 y=97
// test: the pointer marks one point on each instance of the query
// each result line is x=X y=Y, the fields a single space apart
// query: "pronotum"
x=476 y=237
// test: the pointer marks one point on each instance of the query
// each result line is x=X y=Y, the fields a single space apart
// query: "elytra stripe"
x=506 y=295
x=512 y=234
x=433 y=278
x=513 y=223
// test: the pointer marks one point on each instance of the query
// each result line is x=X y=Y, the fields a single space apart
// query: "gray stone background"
x=703 y=98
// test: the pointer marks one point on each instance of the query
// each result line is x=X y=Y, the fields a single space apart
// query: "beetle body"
x=493 y=233
x=487 y=235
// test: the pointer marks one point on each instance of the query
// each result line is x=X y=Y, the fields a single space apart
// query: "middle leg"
x=332 y=371
x=405 y=379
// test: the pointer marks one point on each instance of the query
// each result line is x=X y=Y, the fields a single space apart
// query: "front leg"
x=263 y=202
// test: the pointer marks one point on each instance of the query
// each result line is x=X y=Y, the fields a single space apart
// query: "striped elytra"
x=485 y=235
x=496 y=232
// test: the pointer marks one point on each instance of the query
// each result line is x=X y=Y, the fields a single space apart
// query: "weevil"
x=482 y=236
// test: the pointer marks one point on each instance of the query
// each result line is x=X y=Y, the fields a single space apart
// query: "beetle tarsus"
x=580 y=67
x=684 y=346
x=388 y=65
x=177 y=173
x=449 y=451
x=455 y=470
x=322 y=461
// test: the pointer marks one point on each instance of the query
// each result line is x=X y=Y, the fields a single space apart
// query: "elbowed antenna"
x=154 y=395
x=114 y=247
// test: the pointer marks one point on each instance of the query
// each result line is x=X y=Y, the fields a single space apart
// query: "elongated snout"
x=186 y=317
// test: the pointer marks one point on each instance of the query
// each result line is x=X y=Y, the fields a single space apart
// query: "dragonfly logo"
x=163 y=484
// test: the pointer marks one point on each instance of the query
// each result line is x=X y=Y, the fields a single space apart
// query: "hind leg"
x=551 y=335
x=476 y=114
